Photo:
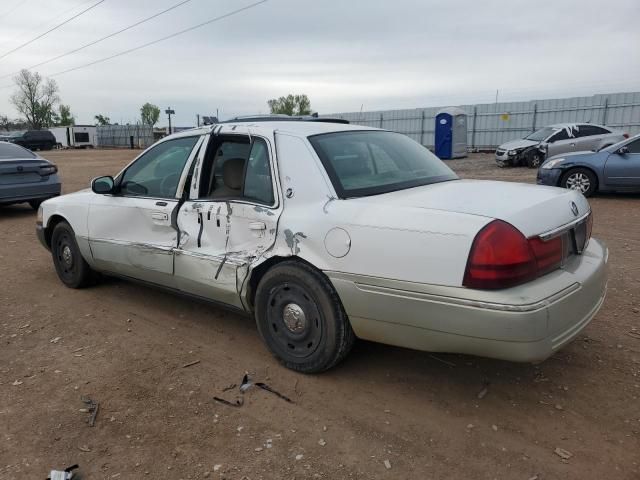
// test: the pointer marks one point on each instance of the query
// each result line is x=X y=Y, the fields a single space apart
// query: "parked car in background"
x=556 y=139
x=26 y=177
x=615 y=168
x=35 y=140
x=325 y=232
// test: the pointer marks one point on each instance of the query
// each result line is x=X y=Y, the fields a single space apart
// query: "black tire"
x=35 y=204
x=312 y=341
x=71 y=267
x=581 y=179
x=534 y=158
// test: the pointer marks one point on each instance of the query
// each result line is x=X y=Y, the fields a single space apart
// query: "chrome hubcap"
x=579 y=182
x=294 y=318
x=67 y=256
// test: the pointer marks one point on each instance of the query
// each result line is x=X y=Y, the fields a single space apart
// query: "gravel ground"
x=384 y=413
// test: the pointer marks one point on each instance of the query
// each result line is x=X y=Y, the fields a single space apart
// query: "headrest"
x=232 y=171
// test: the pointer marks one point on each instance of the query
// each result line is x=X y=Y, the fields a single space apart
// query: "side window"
x=590 y=130
x=156 y=174
x=236 y=169
x=634 y=147
x=257 y=181
x=559 y=135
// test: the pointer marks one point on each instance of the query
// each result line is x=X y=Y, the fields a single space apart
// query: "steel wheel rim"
x=294 y=321
x=64 y=255
x=578 y=181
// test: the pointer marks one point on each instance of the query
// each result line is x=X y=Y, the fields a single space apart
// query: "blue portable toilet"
x=451 y=133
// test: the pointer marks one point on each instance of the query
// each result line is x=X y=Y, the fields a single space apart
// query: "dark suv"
x=35 y=140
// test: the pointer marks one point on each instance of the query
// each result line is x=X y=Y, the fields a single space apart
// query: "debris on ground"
x=451 y=364
x=66 y=474
x=92 y=408
x=190 y=364
x=16 y=383
x=245 y=385
x=494 y=428
x=84 y=448
x=562 y=453
x=387 y=464
x=485 y=389
x=322 y=442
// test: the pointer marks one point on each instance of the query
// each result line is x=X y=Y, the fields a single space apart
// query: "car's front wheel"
x=71 y=267
x=534 y=158
x=581 y=180
x=301 y=319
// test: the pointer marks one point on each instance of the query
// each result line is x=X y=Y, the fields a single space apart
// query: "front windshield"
x=542 y=134
x=362 y=163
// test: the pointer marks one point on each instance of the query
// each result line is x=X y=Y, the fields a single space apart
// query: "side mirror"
x=542 y=148
x=623 y=150
x=103 y=185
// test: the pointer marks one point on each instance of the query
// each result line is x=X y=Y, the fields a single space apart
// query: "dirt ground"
x=126 y=345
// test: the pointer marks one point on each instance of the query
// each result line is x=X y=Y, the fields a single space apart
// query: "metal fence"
x=124 y=136
x=491 y=124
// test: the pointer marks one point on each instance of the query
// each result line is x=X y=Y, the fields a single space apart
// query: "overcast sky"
x=343 y=54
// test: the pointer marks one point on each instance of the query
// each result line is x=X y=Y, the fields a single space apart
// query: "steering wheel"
x=169 y=184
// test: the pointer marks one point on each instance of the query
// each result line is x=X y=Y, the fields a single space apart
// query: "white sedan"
x=325 y=232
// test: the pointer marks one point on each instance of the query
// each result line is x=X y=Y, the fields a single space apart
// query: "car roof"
x=569 y=124
x=304 y=129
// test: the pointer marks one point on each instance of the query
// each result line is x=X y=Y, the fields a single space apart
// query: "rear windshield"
x=365 y=163
x=9 y=150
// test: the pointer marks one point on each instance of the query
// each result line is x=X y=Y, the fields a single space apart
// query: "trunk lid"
x=533 y=209
x=21 y=171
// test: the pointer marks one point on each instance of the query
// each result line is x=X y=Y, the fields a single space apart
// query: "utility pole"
x=197 y=119
x=170 y=112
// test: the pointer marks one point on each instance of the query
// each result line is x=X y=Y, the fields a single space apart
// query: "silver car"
x=554 y=140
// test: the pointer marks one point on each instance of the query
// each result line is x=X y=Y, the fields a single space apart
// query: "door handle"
x=257 y=226
x=159 y=216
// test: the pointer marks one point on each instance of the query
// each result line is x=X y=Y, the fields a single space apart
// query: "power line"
x=75 y=50
x=216 y=19
x=52 y=29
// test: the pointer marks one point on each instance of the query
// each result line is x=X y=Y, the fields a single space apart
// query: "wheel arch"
x=258 y=272
x=566 y=172
x=53 y=220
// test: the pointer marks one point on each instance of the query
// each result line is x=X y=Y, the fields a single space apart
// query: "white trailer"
x=77 y=136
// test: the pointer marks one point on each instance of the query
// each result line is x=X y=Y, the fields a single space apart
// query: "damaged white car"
x=325 y=232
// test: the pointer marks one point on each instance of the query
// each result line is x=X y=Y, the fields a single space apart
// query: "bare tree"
x=35 y=99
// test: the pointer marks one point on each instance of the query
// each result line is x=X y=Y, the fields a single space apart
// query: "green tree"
x=35 y=98
x=65 y=117
x=291 y=105
x=102 y=120
x=150 y=114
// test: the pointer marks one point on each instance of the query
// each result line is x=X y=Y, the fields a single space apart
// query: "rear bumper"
x=527 y=323
x=549 y=176
x=16 y=193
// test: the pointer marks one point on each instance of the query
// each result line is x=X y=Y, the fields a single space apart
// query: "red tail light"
x=625 y=135
x=501 y=257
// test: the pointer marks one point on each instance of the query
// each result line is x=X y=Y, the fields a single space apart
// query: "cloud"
x=375 y=53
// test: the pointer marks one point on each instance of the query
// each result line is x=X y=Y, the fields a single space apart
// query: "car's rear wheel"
x=71 y=267
x=581 y=180
x=35 y=204
x=301 y=319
